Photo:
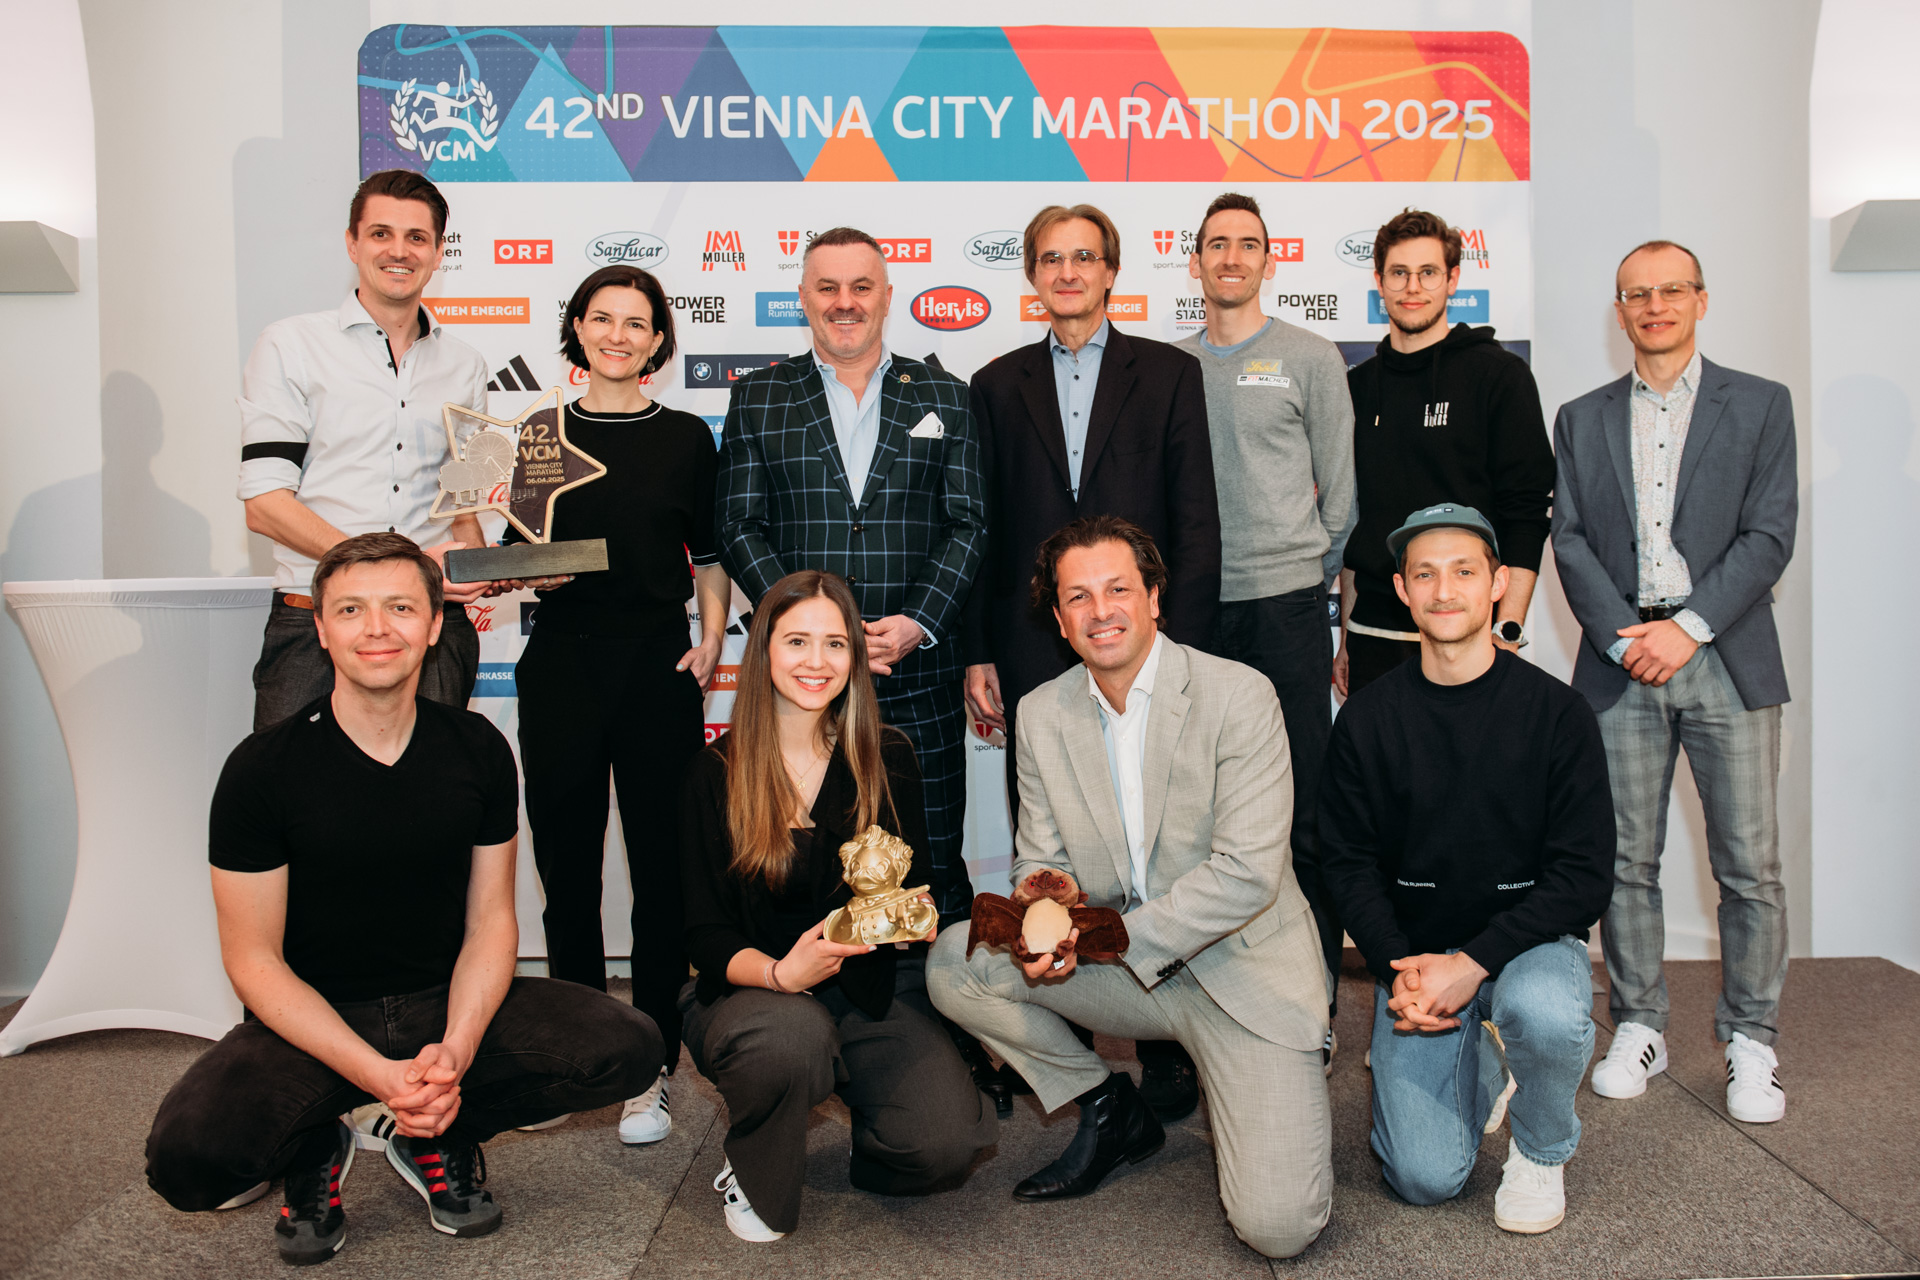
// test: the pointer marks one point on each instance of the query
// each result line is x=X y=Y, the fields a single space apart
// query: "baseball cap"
x=1441 y=515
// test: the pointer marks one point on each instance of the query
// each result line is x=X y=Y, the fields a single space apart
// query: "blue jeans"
x=1433 y=1091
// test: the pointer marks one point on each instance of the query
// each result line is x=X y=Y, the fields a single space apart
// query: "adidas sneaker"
x=741 y=1219
x=312 y=1226
x=645 y=1119
x=1637 y=1052
x=1754 y=1095
x=449 y=1179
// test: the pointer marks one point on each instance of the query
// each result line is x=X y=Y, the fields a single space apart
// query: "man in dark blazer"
x=1673 y=519
x=1087 y=421
x=859 y=462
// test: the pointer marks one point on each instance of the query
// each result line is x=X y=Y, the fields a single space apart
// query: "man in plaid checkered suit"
x=859 y=462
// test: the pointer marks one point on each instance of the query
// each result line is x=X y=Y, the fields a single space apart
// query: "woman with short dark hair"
x=780 y=1016
x=608 y=680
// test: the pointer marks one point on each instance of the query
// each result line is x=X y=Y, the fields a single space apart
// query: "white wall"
x=1865 y=486
x=50 y=442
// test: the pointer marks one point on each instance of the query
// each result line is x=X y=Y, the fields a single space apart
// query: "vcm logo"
x=522 y=252
x=1282 y=250
x=906 y=250
x=1163 y=242
x=789 y=241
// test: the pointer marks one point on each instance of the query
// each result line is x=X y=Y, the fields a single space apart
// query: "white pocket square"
x=930 y=428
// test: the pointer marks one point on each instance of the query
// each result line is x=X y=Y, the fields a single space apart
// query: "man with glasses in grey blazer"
x=1673 y=519
x=1157 y=779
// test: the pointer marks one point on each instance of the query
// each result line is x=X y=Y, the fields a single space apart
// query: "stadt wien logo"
x=464 y=107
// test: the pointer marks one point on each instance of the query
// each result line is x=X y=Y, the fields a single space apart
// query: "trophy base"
x=526 y=560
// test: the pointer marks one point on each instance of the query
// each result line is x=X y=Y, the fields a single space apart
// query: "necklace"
x=801 y=778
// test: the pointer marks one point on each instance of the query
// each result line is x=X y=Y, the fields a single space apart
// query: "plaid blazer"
x=911 y=546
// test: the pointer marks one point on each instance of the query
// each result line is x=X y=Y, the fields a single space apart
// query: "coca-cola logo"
x=995 y=250
x=627 y=248
x=951 y=307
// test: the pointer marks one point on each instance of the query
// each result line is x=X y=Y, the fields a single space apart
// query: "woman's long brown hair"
x=761 y=797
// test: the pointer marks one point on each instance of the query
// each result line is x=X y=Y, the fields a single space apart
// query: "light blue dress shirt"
x=1076 y=374
x=856 y=423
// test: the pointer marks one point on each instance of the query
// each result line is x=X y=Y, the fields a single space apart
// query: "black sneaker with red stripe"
x=312 y=1226
x=449 y=1179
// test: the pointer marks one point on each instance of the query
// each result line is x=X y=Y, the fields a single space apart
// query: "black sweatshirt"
x=1458 y=421
x=1475 y=816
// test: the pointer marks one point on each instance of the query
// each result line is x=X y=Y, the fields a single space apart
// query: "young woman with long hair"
x=779 y=1016
x=608 y=681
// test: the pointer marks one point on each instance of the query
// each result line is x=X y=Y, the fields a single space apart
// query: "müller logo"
x=995 y=250
x=723 y=247
x=951 y=307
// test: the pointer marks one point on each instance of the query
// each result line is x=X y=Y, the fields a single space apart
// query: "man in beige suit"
x=1158 y=778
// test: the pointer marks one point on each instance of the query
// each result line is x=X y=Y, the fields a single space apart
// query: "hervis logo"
x=628 y=249
x=952 y=307
x=723 y=248
x=517 y=253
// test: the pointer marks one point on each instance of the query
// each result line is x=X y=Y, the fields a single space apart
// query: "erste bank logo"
x=789 y=242
x=1466 y=306
x=515 y=253
x=778 y=310
x=951 y=308
x=627 y=248
x=905 y=249
x=996 y=250
x=1473 y=247
x=723 y=248
x=1130 y=306
x=464 y=109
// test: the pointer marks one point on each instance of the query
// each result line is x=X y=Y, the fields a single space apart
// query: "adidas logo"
x=1647 y=1055
x=515 y=377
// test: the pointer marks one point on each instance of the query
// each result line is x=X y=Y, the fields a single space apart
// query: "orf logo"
x=1356 y=250
x=1163 y=242
x=951 y=307
x=1294 y=250
x=906 y=250
x=522 y=252
x=789 y=241
x=723 y=247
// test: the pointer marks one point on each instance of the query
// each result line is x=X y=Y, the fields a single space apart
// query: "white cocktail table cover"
x=150 y=679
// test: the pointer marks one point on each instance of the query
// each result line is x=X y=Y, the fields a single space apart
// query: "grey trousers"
x=1272 y=1128
x=918 y=1120
x=294 y=670
x=1735 y=757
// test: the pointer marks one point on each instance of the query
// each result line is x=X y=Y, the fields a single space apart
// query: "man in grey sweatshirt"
x=1281 y=424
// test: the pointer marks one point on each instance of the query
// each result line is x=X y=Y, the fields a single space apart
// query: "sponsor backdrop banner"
x=711 y=155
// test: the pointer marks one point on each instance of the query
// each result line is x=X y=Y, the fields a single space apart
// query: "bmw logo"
x=702 y=371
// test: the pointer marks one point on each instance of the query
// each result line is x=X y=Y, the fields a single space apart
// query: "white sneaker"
x=246 y=1197
x=1532 y=1197
x=741 y=1219
x=1328 y=1047
x=1754 y=1094
x=1499 y=1112
x=539 y=1125
x=1637 y=1051
x=372 y=1125
x=644 y=1119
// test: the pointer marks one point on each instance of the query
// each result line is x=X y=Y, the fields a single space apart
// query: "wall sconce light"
x=1880 y=235
x=36 y=258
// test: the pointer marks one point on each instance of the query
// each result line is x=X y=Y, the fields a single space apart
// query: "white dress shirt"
x=856 y=423
x=324 y=412
x=1126 y=738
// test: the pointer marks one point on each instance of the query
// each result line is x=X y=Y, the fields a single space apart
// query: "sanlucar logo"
x=951 y=307
x=627 y=248
x=1355 y=249
x=995 y=250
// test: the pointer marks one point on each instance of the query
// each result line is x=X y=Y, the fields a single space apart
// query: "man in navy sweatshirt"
x=1467 y=839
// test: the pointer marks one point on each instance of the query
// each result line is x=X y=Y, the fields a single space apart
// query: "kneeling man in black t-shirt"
x=362 y=858
x=1466 y=834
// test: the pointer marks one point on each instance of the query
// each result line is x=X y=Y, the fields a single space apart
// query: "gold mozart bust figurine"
x=881 y=911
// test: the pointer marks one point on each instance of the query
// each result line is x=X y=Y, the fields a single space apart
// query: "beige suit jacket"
x=1221 y=899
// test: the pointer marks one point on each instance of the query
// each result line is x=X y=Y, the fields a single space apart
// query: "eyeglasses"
x=1672 y=291
x=1053 y=261
x=1396 y=279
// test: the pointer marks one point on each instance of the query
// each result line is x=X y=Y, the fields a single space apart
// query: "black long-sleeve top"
x=727 y=914
x=1476 y=816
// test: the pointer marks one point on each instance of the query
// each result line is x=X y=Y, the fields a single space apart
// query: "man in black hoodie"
x=1439 y=413
x=1466 y=836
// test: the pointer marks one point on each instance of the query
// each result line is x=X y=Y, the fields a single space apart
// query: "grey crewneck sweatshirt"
x=1281 y=422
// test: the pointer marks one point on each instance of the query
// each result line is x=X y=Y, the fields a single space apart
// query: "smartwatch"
x=1512 y=632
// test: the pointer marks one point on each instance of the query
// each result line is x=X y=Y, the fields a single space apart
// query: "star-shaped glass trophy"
x=519 y=467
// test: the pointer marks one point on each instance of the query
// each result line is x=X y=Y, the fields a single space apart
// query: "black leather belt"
x=1659 y=612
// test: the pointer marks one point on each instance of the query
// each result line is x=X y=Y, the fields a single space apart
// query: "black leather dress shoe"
x=1168 y=1080
x=1115 y=1125
x=989 y=1079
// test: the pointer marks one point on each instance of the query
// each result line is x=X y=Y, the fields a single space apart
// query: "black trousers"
x=293 y=669
x=1286 y=638
x=253 y=1104
x=935 y=722
x=590 y=705
x=918 y=1120
x=1370 y=657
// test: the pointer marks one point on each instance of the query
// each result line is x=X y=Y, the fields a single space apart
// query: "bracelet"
x=772 y=979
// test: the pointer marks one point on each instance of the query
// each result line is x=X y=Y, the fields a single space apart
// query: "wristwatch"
x=1512 y=632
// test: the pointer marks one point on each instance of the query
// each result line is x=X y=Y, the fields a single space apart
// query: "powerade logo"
x=951 y=308
x=995 y=250
x=1469 y=306
x=627 y=248
x=724 y=371
x=777 y=310
x=1356 y=249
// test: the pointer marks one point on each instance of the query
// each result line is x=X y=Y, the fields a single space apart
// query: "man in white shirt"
x=341 y=434
x=1157 y=780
